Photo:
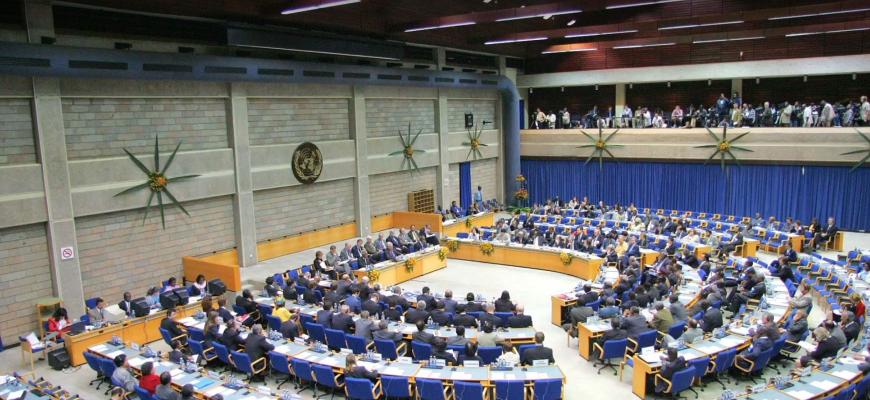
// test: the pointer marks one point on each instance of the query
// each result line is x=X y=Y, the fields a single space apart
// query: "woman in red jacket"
x=59 y=322
x=149 y=379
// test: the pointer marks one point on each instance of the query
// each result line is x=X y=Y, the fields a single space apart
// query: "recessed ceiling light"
x=637 y=46
x=567 y=51
x=515 y=40
x=426 y=28
x=572 y=22
x=857 y=10
x=319 y=5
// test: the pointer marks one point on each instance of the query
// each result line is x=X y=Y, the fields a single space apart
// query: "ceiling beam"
x=675 y=37
x=701 y=72
x=660 y=27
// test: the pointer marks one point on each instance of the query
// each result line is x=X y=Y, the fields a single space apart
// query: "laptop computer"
x=77 y=328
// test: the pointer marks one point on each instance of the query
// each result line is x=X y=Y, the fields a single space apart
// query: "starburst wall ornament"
x=723 y=146
x=157 y=182
x=867 y=150
x=408 y=149
x=600 y=146
x=474 y=144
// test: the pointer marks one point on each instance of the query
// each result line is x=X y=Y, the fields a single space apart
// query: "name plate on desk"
x=404 y=360
x=471 y=364
x=540 y=363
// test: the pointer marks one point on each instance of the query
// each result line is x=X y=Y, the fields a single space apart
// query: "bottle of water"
x=432 y=361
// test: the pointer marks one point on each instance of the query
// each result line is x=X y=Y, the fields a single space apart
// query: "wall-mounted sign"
x=307 y=163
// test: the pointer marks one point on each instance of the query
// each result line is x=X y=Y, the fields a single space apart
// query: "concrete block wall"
x=296 y=120
x=484 y=173
x=101 y=127
x=388 y=117
x=16 y=132
x=118 y=252
x=389 y=192
x=24 y=278
x=483 y=110
x=294 y=209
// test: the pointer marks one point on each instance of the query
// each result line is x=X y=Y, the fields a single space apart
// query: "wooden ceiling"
x=389 y=20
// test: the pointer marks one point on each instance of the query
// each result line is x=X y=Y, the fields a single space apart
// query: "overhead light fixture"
x=726 y=40
x=516 y=40
x=665 y=28
x=819 y=14
x=531 y=90
x=596 y=87
x=563 y=89
x=318 y=5
x=669 y=83
x=572 y=22
x=822 y=33
x=631 y=86
x=453 y=25
x=636 y=46
x=567 y=51
x=542 y=15
x=577 y=35
x=645 y=3
x=332 y=53
x=757 y=80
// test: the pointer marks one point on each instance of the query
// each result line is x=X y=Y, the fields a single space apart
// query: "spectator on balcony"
x=677 y=117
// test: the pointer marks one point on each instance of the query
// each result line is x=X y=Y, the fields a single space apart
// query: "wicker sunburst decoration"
x=867 y=150
x=601 y=146
x=723 y=146
x=474 y=144
x=408 y=149
x=157 y=182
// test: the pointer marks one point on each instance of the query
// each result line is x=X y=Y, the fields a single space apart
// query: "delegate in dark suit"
x=634 y=325
x=712 y=320
x=342 y=322
x=413 y=315
x=537 y=353
x=256 y=346
x=520 y=321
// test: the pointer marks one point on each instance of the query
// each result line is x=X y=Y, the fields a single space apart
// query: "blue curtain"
x=465 y=185
x=802 y=192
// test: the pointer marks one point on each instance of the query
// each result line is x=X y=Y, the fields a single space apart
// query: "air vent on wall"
x=25 y=62
x=318 y=74
x=386 y=77
x=213 y=69
x=356 y=75
x=415 y=78
x=167 y=68
x=86 y=64
x=444 y=80
x=275 y=71
x=468 y=81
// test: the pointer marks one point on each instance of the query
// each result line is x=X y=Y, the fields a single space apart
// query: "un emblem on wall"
x=307 y=163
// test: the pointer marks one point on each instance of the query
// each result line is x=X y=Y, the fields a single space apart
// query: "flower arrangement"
x=468 y=223
x=410 y=263
x=520 y=178
x=486 y=248
x=374 y=275
x=453 y=245
x=442 y=254
x=521 y=194
x=566 y=258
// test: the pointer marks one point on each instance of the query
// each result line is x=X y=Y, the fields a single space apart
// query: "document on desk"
x=114 y=354
x=844 y=374
x=731 y=341
x=824 y=385
x=175 y=372
x=425 y=373
x=100 y=348
x=800 y=394
x=392 y=371
x=460 y=375
x=535 y=375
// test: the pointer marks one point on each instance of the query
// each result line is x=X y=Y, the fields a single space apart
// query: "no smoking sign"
x=67 y=253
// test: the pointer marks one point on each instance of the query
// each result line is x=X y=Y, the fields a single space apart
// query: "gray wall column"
x=442 y=174
x=243 y=201
x=61 y=227
x=736 y=87
x=361 y=182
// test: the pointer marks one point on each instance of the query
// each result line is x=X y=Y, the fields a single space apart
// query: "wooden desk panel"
x=485 y=220
x=750 y=248
x=396 y=273
x=529 y=258
x=585 y=340
x=557 y=304
x=76 y=345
